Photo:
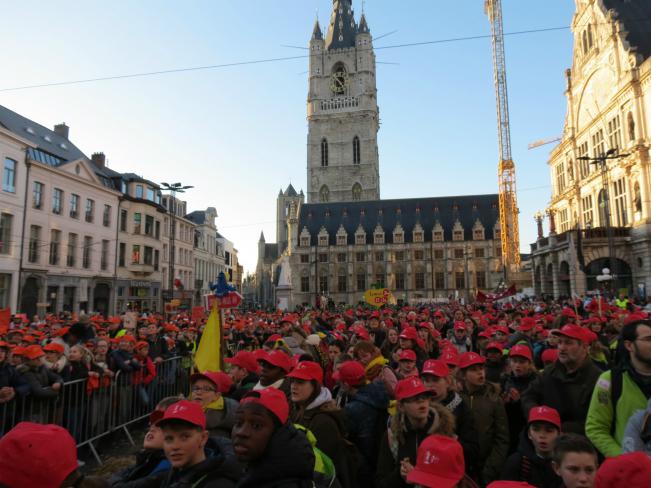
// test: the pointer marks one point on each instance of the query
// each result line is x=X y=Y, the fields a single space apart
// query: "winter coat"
x=517 y=422
x=288 y=462
x=632 y=440
x=158 y=347
x=10 y=377
x=122 y=363
x=492 y=429
x=327 y=422
x=220 y=422
x=149 y=462
x=40 y=381
x=365 y=410
x=599 y=422
x=218 y=470
x=465 y=429
x=401 y=441
x=568 y=393
x=147 y=372
x=525 y=465
x=494 y=371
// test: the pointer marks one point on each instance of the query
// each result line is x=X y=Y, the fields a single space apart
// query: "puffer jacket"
x=364 y=412
x=401 y=441
x=221 y=422
x=525 y=465
x=636 y=427
x=492 y=429
x=288 y=462
x=10 y=377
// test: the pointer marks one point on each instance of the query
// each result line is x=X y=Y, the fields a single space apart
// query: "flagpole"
x=221 y=336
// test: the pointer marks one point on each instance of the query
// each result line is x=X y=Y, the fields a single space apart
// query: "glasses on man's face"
x=202 y=389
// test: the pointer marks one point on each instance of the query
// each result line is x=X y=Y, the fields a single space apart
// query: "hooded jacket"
x=401 y=441
x=525 y=465
x=492 y=429
x=288 y=462
x=365 y=410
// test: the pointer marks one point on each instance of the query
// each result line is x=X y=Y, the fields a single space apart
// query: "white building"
x=208 y=255
x=180 y=240
x=606 y=208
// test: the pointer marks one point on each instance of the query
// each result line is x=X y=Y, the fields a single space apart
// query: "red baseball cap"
x=439 y=464
x=54 y=347
x=526 y=324
x=308 y=371
x=468 y=359
x=436 y=367
x=573 y=331
x=409 y=333
x=186 y=411
x=222 y=381
x=33 y=352
x=522 y=351
x=272 y=399
x=4 y=345
x=141 y=344
x=450 y=356
x=545 y=414
x=245 y=360
x=35 y=455
x=351 y=373
x=630 y=470
x=272 y=338
x=407 y=355
x=495 y=345
x=549 y=355
x=410 y=387
x=459 y=326
x=278 y=359
x=502 y=329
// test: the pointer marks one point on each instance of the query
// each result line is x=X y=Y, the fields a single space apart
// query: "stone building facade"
x=600 y=211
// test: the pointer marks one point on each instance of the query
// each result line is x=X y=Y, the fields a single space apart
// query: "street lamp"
x=174 y=188
x=602 y=162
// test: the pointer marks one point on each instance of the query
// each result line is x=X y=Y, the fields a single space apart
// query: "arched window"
x=324 y=194
x=357 y=192
x=324 y=152
x=357 y=158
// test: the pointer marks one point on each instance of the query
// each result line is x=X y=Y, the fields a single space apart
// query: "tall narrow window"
x=90 y=210
x=356 y=151
x=55 y=242
x=602 y=202
x=324 y=194
x=34 y=243
x=619 y=196
x=88 y=248
x=9 y=176
x=137 y=222
x=324 y=152
x=104 y=257
x=71 y=258
x=357 y=192
x=122 y=254
x=74 y=206
x=5 y=233
x=57 y=199
x=37 y=199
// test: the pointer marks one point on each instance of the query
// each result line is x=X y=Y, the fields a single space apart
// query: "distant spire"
x=261 y=237
x=342 y=29
x=317 y=35
x=363 y=26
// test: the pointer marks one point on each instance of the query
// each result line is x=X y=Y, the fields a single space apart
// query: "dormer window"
x=305 y=242
x=457 y=235
x=437 y=236
x=341 y=240
x=323 y=240
x=418 y=236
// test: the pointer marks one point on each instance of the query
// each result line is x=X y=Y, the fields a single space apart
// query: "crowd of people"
x=534 y=393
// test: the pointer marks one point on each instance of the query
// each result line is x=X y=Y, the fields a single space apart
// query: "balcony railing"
x=339 y=103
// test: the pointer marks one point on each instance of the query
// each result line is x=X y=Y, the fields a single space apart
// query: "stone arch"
x=357 y=192
x=621 y=272
x=324 y=194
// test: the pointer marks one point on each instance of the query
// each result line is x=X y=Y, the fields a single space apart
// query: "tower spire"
x=317 y=34
x=343 y=28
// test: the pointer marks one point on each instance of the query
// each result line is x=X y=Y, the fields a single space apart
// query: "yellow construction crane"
x=510 y=233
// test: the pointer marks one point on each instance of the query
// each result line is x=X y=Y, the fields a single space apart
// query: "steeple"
x=342 y=29
x=261 y=237
x=317 y=35
x=363 y=26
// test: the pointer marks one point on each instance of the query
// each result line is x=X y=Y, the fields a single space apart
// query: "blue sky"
x=239 y=134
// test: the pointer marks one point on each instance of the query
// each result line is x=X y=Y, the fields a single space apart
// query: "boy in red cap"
x=406 y=364
x=533 y=460
x=44 y=384
x=414 y=421
x=274 y=367
x=244 y=372
x=490 y=416
x=197 y=460
x=514 y=383
x=276 y=454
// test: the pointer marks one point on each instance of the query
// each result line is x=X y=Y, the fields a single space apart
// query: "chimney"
x=99 y=159
x=62 y=129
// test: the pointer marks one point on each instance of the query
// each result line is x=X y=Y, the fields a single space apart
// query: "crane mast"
x=509 y=231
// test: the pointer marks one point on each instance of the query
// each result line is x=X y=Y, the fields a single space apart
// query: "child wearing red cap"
x=44 y=384
x=207 y=389
x=575 y=461
x=406 y=364
x=415 y=420
x=533 y=460
x=197 y=459
x=490 y=416
x=275 y=453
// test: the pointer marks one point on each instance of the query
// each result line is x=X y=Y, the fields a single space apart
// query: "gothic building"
x=345 y=239
x=600 y=209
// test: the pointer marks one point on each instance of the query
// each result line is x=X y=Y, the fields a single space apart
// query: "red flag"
x=5 y=319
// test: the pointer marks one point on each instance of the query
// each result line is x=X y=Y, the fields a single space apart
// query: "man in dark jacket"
x=244 y=373
x=366 y=409
x=567 y=384
x=197 y=460
x=11 y=383
x=44 y=385
x=158 y=350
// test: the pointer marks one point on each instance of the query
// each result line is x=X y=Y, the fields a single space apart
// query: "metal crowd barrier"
x=91 y=409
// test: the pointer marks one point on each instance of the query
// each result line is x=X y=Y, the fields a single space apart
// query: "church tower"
x=342 y=111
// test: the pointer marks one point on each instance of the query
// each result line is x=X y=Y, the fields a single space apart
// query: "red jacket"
x=147 y=373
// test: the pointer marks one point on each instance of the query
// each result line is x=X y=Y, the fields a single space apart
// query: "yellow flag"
x=208 y=355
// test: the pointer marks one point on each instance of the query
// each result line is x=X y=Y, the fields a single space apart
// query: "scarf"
x=375 y=366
